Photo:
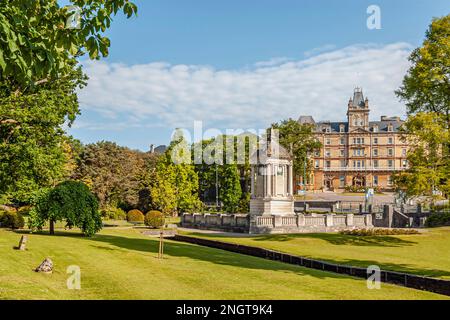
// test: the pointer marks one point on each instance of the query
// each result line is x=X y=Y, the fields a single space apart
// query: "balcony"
x=360 y=169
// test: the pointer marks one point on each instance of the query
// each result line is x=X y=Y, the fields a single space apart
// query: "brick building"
x=358 y=152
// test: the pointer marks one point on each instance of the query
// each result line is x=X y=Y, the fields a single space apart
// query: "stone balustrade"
x=299 y=223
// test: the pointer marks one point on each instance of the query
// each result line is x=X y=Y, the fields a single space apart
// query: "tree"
x=117 y=175
x=230 y=188
x=426 y=86
x=428 y=169
x=175 y=188
x=299 y=140
x=426 y=91
x=69 y=201
x=39 y=77
x=39 y=41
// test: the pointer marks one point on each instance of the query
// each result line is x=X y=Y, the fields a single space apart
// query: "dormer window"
x=375 y=129
x=390 y=128
x=341 y=128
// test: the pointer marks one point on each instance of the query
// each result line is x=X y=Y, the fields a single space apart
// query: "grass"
x=121 y=263
x=427 y=253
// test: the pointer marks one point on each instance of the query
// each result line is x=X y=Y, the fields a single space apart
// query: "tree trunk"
x=52 y=227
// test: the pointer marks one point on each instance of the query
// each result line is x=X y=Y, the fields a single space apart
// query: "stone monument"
x=271 y=179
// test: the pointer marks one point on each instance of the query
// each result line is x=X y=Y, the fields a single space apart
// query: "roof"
x=306 y=120
x=270 y=150
x=358 y=98
x=382 y=125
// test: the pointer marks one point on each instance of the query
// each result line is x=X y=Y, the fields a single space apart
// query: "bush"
x=154 y=219
x=378 y=232
x=11 y=219
x=438 y=219
x=113 y=213
x=135 y=216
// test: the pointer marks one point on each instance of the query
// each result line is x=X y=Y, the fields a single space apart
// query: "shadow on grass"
x=333 y=238
x=221 y=257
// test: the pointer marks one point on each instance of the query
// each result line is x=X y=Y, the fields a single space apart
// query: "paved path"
x=331 y=196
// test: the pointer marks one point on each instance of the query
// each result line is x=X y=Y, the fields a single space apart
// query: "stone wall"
x=299 y=223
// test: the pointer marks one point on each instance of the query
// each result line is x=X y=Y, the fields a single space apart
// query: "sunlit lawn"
x=427 y=253
x=121 y=263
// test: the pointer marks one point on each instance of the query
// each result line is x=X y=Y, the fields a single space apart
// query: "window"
x=390 y=128
x=342 y=181
x=342 y=152
x=328 y=141
x=390 y=163
x=316 y=163
x=342 y=141
x=389 y=182
x=390 y=152
x=358 y=152
x=342 y=163
x=404 y=163
x=327 y=153
x=280 y=171
x=375 y=152
x=375 y=181
x=358 y=140
x=327 y=129
x=390 y=140
x=375 y=129
x=403 y=152
x=341 y=128
x=375 y=140
x=317 y=153
x=327 y=164
x=375 y=163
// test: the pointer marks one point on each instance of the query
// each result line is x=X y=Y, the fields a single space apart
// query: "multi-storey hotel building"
x=358 y=152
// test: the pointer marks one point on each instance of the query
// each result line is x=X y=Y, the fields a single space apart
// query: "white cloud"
x=161 y=94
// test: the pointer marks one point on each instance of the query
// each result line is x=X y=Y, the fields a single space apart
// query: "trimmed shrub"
x=438 y=219
x=154 y=219
x=11 y=219
x=113 y=213
x=135 y=215
x=378 y=232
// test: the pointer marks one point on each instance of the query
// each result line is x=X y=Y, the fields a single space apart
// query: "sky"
x=244 y=64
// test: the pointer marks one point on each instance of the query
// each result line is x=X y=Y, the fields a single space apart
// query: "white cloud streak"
x=168 y=95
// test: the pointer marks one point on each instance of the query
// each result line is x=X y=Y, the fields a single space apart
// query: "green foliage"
x=37 y=42
x=429 y=165
x=426 y=86
x=299 y=140
x=175 y=188
x=135 y=215
x=438 y=219
x=117 y=175
x=154 y=219
x=378 y=232
x=230 y=191
x=71 y=201
x=11 y=219
x=113 y=213
x=244 y=203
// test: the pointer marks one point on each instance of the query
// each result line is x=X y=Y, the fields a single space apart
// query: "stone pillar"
x=300 y=220
x=388 y=213
x=306 y=208
x=329 y=220
x=252 y=182
x=291 y=180
x=349 y=220
x=269 y=179
x=333 y=207
x=276 y=221
x=370 y=208
x=361 y=208
x=368 y=220
x=275 y=177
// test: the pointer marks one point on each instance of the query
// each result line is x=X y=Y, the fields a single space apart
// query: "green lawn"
x=121 y=263
x=426 y=254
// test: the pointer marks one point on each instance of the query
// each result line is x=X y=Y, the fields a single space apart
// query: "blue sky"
x=244 y=64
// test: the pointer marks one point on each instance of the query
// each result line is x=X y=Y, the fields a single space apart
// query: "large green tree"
x=39 y=77
x=426 y=92
x=117 y=175
x=175 y=187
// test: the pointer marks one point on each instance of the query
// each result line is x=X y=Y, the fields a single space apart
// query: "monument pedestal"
x=267 y=206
